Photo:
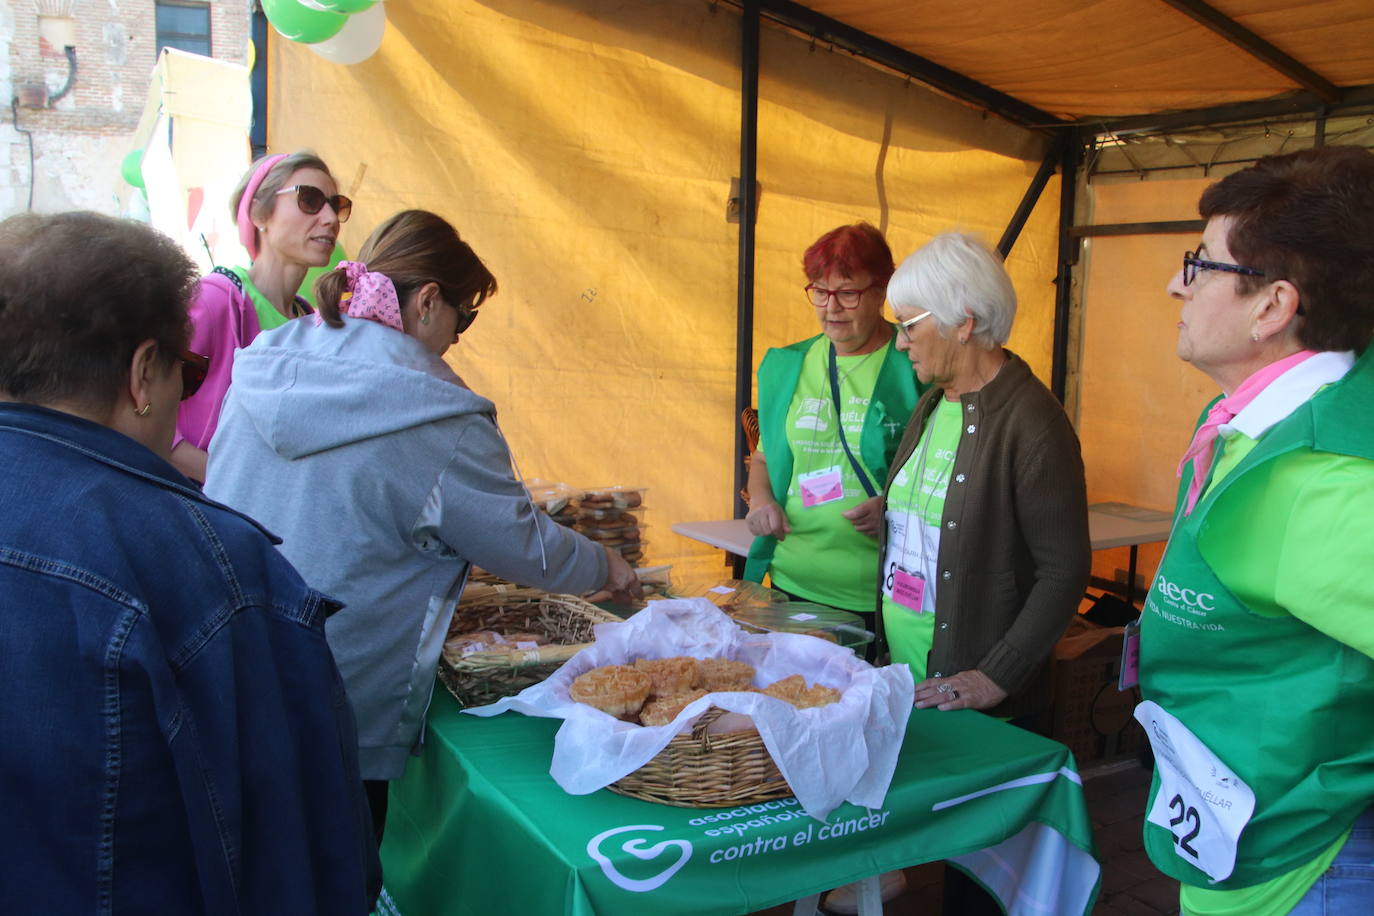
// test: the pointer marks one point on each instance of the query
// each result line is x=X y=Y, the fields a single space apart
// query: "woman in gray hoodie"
x=386 y=477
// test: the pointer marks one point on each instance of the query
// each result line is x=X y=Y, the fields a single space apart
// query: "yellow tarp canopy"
x=585 y=149
x=1121 y=57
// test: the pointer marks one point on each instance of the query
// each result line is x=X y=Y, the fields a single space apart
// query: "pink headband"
x=372 y=296
x=248 y=233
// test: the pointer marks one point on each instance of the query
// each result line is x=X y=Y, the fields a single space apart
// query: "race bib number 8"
x=1201 y=802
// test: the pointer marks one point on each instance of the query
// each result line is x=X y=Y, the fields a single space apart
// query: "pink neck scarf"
x=1200 y=450
x=248 y=233
x=370 y=295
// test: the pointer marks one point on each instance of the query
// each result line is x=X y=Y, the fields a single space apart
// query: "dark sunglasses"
x=466 y=316
x=194 y=368
x=312 y=200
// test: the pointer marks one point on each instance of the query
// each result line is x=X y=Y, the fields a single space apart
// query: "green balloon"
x=132 y=168
x=301 y=23
x=307 y=290
x=345 y=6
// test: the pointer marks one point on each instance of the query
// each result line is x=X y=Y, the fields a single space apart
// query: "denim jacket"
x=174 y=735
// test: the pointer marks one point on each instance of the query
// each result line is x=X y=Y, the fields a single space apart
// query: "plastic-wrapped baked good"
x=613 y=498
x=619 y=535
x=475 y=641
x=588 y=515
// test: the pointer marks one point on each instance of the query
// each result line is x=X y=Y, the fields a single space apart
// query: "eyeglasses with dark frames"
x=194 y=369
x=311 y=200
x=1192 y=264
x=847 y=298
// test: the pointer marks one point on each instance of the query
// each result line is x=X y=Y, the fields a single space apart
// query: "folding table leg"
x=871 y=896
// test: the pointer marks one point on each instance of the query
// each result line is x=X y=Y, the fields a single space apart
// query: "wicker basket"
x=707 y=771
x=485 y=677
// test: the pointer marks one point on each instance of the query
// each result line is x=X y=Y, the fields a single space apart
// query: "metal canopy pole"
x=1032 y=196
x=1258 y=48
x=748 y=198
x=1069 y=245
x=1301 y=104
x=802 y=18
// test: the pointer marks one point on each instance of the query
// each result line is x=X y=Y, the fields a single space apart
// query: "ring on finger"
x=943 y=688
x=954 y=693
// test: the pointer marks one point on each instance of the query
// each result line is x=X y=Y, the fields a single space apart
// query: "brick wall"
x=79 y=142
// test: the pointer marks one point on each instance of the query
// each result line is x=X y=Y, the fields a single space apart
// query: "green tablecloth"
x=478 y=826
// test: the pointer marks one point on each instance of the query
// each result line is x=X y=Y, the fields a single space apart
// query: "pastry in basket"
x=725 y=674
x=475 y=641
x=671 y=675
x=789 y=688
x=819 y=695
x=615 y=689
x=663 y=709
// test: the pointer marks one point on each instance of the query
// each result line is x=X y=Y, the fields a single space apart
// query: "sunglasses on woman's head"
x=312 y=200
x=194 y=368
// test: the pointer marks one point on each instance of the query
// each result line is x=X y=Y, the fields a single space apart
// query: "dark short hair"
x=79 y=292
x=413 y=248
x=1307 y=217
x=860 y=247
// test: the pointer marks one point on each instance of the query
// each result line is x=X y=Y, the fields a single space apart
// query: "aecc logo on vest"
x=1193 y=601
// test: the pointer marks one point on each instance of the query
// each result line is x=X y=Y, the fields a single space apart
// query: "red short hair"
x=851 y=250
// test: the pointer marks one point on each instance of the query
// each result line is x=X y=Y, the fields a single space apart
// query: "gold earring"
x=143 y=411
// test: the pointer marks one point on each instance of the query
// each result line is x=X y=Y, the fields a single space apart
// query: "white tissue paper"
x=846 y=751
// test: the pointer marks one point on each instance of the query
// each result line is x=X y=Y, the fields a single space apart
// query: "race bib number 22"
x=1201 y=802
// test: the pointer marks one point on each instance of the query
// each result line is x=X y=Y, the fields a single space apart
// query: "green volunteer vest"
x=894 y=397
x=1289 y=709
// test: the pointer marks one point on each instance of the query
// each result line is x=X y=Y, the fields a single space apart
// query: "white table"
x=1109 y=525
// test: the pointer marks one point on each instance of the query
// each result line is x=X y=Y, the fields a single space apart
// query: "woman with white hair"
x=985 y=544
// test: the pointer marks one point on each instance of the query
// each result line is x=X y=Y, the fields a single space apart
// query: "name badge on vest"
x=820 y=487
x=1200 y=801
x=903 y=586
x=1130 y=657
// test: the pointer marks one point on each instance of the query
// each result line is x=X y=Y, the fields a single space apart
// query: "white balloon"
x=358 y=40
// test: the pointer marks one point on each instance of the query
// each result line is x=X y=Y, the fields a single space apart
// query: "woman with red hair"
x=831 y=411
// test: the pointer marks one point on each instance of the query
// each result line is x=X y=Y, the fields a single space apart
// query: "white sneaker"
x=845 y=900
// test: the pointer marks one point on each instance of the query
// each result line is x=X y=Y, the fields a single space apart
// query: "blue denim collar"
x=111 y=448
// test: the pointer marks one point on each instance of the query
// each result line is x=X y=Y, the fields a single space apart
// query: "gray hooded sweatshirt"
x=385 y=477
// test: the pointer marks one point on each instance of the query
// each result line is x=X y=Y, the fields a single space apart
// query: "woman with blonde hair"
x=233 y=305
